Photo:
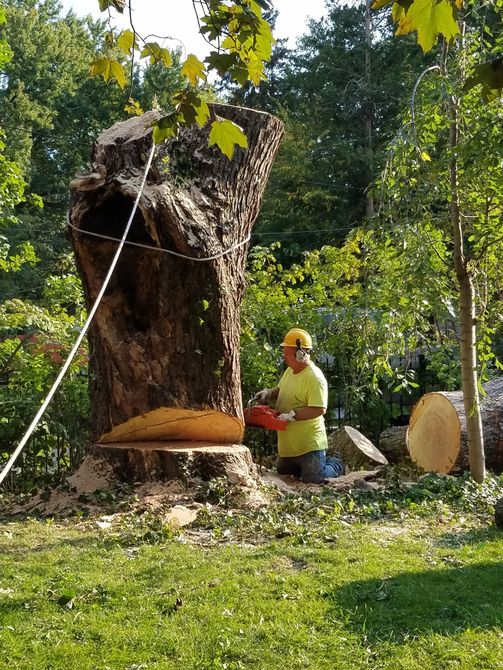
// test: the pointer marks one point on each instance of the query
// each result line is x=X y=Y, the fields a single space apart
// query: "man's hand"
x=287 y=416
x=263 y=395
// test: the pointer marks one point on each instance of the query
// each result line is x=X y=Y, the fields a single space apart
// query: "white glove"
x=263 y=395
x=287 y=416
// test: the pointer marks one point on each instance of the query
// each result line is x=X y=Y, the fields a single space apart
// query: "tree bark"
x=392 y=443
x=468 y=337
x=164 y=344
x=437 y=437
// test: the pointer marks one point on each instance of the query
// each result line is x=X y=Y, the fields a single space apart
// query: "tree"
x=455 y=189
x=180 y=355
x=330 y=91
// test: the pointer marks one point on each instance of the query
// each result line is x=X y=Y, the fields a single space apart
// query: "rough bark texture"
x=167 y=331
x=355 y=450
x=437 y=439
x=158 y=461
x=392 y=443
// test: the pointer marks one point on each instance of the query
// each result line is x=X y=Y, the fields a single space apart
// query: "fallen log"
x=355 y=450
x=392 y=443
x=436 y=437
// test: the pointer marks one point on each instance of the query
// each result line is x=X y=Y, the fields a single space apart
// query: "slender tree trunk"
x=164 y=345
x=369 y=199
x=468 y=341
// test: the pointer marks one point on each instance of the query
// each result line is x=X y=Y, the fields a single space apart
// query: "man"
x=302 y=398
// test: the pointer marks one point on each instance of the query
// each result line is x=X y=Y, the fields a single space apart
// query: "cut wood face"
x=365 y=445
x=434 y=435
x=172 y=423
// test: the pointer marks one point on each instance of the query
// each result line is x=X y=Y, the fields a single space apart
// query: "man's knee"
x=313 y=467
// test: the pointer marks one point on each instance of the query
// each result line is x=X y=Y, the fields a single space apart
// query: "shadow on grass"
x=444 y=601
x=470 y=537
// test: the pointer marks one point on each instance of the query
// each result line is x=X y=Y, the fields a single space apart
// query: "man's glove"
x=263 y=395
x=287 y=416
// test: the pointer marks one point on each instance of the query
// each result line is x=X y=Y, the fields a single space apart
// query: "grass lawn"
x=405 y=579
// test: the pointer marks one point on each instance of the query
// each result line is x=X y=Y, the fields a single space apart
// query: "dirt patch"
x=93 y=490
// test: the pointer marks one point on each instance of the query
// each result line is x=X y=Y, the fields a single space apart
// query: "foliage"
x=243 y=42
x=428 y=18
x=371 y=310
x=34 y=342
x=339 y=93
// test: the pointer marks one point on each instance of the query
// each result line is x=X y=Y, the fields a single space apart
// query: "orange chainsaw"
x=263 y=416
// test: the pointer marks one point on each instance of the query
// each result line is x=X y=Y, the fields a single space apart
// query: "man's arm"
x=305 y=413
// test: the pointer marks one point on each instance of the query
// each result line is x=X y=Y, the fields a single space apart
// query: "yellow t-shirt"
x=305 y=389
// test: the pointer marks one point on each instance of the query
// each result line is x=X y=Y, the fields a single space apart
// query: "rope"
x=152 y=248
x=82 y=333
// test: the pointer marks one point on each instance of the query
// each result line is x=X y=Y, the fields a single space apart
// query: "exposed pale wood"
x=354 y=448
x=392 y=443
x=170 y=423
x=437 y=440
x=152 y=461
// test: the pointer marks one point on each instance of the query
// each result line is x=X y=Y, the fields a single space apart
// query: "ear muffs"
x=300 y=354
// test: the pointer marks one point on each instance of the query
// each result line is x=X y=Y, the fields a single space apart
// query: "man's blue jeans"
x=311 y=468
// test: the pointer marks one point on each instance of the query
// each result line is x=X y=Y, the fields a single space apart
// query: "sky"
x=158 y=17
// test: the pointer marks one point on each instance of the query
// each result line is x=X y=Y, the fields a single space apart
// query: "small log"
x=437 y=440
x=355 y=450
x=393 y=444
x=132 y=462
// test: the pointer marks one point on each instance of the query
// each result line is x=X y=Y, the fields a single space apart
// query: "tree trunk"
x=437 y=436
x=164 y=344
x=392 y=443
x=355 y=450
x=468 y=337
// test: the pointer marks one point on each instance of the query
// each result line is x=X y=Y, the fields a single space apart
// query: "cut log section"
x=436 y=438
x=393 y=443
x=170 y=423
x=132 y=462
x=355 y=450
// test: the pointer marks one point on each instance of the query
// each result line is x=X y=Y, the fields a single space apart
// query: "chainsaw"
x=263 y=416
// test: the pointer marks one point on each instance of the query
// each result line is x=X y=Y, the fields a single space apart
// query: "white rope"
x=152 y=248
x=82 y=333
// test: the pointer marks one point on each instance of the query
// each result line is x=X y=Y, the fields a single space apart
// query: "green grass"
x=299 y=584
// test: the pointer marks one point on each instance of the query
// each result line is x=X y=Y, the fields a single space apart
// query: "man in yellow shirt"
x=302 y=398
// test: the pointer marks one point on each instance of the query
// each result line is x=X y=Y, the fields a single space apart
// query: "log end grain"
x=434 y=435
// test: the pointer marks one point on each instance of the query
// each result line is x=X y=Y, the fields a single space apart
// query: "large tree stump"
x=437 y=440
x=164 y=344
x=133 y=462
x=355 y=450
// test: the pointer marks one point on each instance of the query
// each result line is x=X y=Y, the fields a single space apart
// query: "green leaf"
x=109 y=69
x=489 y=75
x=425 y=156
x=226 y=134
x=429 y=18
x=166 y=127
x=193 y=69
x=116 y=4
x=157 y=54
x=126 y=41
